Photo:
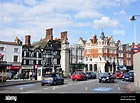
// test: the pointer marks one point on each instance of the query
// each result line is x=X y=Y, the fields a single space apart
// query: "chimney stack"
x=27 y=40
x=95 y=38
x=49 y=35
x=64 y=35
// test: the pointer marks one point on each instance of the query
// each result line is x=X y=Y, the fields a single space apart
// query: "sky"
x=80 y=18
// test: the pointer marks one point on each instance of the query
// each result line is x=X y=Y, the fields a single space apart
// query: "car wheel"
x=42 y=84
x=112 y=80
x=54 y=83
x=99 y=81
x=62 y=82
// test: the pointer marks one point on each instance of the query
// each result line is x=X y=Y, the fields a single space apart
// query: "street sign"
x=1 y=56
x=36 y=66
x=135 y=48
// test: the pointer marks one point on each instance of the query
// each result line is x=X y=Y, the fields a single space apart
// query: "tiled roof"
x=9 y=43
x=40 y=44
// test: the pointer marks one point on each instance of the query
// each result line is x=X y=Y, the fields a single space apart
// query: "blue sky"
x=80 y=18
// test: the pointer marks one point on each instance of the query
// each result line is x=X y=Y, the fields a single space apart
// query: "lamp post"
x=133 y=19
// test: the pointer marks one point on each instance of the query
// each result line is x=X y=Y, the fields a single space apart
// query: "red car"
x=79 y=75
x=118 y=74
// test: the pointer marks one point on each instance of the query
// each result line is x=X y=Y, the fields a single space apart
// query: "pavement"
x=17 y=82
x=131 y=88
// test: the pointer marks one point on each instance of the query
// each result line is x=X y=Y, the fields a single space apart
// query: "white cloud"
x=119 y=32
x=20 y=17
x=105 y=22
x=88 y=14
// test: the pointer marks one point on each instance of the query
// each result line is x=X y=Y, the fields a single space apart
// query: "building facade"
x=11 y=52
x=76 y=57
x=100 y=52
x=45 y=53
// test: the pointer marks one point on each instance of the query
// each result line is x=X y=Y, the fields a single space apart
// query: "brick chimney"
x=18 y=41
x=95 y=38
x=27 y=40
x=64 y=35
x=49 y=35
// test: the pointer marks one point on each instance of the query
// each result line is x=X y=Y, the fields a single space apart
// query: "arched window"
x=90 y=58
x=86 y=58
x=100 y=59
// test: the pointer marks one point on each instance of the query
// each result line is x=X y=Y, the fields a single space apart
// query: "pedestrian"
x=26 y=76
x=30 y=75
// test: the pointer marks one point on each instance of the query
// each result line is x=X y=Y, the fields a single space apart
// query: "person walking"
x=30 y=75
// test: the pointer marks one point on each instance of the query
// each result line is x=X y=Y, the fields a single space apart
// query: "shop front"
x=13 y=69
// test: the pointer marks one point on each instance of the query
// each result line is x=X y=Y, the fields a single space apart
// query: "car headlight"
x=107 y=78
x=130 y=77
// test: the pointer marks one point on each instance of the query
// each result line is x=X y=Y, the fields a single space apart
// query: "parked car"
x=118 y=74
x=106 y=77
x=52 y=79
x=90 y=75
x=79 y=75
x=128 y=76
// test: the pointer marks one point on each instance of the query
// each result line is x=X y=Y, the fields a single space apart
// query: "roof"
x=9 y=43
x=40 y=44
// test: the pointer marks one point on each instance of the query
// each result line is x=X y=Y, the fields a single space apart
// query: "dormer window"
x=100 y=43
x=88 y=44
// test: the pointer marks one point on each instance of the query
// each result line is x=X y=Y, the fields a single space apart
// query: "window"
x=88 y=51
x=1 y=48
x=90 y=58
x=16 y=50
x=99 y=50
x=86 y=58
x=105 y=58
x=105 y=50
x=15 y=58
x=100 y=59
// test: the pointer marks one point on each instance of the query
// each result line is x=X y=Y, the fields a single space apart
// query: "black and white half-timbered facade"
x=45 y=53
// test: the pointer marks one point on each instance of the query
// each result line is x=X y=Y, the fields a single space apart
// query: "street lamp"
x=133 y=19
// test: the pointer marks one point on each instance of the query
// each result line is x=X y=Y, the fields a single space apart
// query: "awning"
x=14 y=67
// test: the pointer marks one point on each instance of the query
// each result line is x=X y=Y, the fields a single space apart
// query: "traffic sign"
x=1 y=56
x=135 y=48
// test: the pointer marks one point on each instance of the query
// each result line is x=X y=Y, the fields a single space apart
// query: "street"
x=87 y=86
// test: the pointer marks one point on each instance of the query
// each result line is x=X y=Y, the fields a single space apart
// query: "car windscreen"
x=105 y=74
x=126 y=73
x=131 y=73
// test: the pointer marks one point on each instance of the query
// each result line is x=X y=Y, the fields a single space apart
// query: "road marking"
x=102 y=89
x=118 y=88
x=25 y=86
x=21 y=88
x=45 y=88
x=53 y=88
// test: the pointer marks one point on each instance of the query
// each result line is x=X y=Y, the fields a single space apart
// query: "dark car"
x=52 y=79
x=79 y=75
x=106 y=77
x=128 y=76
x=90 y=75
